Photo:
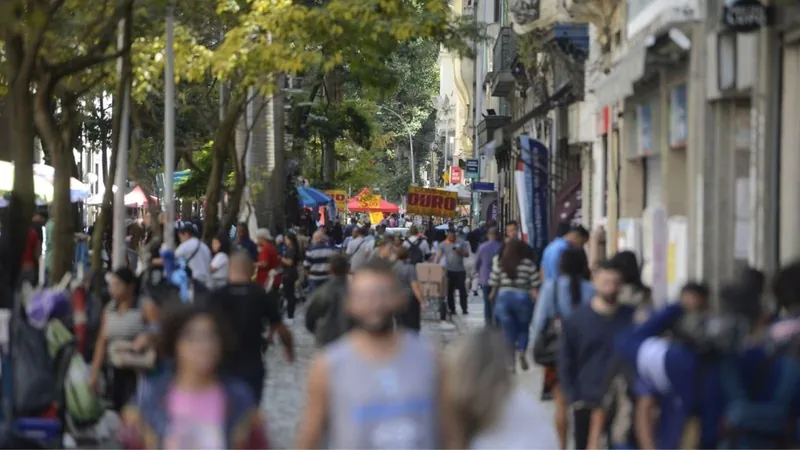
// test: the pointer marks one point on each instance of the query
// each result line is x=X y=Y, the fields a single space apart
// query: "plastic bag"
x=34 y=383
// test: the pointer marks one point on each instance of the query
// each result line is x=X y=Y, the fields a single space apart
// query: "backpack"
x=759 y=424
x=415 y=255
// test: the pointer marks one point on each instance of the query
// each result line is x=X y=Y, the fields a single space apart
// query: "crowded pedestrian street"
x=399 y=224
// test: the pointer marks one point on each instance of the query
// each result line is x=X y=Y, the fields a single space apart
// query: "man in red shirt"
x=30 y=258
x=269 y=261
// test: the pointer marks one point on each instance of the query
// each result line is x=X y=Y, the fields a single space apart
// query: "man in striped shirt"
x=317 y=262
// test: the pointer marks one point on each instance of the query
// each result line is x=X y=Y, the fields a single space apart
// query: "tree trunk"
x=105 y=180
x=219 y=154
x=101 y=226
x=334 y=86
x=20 y=213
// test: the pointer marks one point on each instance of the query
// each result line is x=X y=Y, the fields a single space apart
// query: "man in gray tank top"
x=377 y=387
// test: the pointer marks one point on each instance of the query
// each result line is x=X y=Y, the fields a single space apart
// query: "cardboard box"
x=431 y=273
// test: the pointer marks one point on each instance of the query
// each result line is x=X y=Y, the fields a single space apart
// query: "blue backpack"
x=759 y=424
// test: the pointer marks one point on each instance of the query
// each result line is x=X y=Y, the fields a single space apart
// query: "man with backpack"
x=418 y=249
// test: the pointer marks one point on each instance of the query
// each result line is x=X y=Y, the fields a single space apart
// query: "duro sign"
x=745 y=16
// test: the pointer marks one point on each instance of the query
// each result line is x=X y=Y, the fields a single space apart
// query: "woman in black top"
x=289 y=263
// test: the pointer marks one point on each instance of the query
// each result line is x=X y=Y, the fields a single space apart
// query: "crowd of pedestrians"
x=623 y=369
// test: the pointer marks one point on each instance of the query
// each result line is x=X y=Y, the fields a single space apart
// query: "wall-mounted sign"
x=645 y=131
x=456 y=175
x=745 y=16
x=432 y=202
x=473 y=167
x=678 y=124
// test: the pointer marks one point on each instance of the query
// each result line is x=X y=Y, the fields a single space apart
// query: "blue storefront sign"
x=535 y=162
x=482 y=186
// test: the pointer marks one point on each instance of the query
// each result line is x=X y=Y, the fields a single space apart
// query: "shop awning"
x=353 y=205
x=618 y=83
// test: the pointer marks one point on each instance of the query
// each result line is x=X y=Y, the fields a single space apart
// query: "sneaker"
x=288 y=322
x=523 y=362
x=465 y=312
x=446 y=326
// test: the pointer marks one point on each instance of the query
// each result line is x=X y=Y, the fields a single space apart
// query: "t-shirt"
x=359 y=251
x=453 y=257
x=198 y=258
x=268 y=254
x=290 y=253
x=318 y=261
x=196 y=419
x=421 y=242
x=247 y=307
x=525 y=278
x=406 y=273
x=29 y=257
x=220 y=274
x=551 y=258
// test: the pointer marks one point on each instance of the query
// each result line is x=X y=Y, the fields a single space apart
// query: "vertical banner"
x=338 y=196
x=535 y=167
x=375 y=218
x=678 y=118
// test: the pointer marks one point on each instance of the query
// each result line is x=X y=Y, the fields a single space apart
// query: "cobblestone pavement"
x=286 y=383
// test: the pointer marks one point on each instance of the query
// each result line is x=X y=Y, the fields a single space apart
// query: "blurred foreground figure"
x=376 y=387
x=490 y=411
x=194 y=407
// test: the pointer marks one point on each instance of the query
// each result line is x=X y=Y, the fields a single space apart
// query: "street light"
x=410 y=139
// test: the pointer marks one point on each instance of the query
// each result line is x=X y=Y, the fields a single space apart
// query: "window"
x=497 y=11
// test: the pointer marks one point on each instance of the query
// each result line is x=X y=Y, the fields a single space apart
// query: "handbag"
x=122 y=355
x=546 y=345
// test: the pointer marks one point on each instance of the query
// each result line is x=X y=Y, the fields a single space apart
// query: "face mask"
x=384 y=327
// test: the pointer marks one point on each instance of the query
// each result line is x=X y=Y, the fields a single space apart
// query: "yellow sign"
x=369 y=201
x=375 y=217
x=339 y=197
x=432 y=202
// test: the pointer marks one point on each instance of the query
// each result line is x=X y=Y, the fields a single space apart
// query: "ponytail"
x=575 y=289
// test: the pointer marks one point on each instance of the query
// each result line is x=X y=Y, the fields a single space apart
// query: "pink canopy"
x=138 y=198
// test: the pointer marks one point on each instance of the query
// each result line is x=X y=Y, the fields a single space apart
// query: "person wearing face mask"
x=378 y=386
x=587 y=348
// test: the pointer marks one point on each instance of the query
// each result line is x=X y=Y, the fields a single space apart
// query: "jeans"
x=456 y=280
x=514 y=311
x=314 y=284
x=488 y=314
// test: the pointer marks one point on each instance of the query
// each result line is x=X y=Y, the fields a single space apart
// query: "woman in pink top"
x=194 y=407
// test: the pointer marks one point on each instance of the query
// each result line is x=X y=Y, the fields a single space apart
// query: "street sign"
x=473 y=169
x=482 y=186
x=456 y=175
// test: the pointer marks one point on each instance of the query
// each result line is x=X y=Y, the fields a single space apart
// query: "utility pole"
x=169 y=130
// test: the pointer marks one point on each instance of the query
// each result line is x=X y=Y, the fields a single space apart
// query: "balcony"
x=501 y=80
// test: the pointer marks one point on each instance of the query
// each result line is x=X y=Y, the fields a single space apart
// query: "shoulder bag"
x=546 y=346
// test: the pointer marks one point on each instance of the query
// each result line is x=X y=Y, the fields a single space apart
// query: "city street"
x=285 y=395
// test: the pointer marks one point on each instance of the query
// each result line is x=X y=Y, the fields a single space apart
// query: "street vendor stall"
x=368 y=202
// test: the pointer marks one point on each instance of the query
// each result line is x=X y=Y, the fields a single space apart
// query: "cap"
x=264 y=233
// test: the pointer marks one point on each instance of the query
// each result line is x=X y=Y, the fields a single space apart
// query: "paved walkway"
x=286 y=383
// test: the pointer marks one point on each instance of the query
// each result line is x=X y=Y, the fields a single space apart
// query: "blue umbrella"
x=310 y=197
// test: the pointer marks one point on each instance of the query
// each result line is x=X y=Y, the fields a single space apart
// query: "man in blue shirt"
x=686 y=373
x=575 y=237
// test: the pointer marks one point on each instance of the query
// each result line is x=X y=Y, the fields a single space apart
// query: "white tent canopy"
x=463 y=192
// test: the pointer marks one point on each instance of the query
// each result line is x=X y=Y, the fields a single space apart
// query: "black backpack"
x=415 y=255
